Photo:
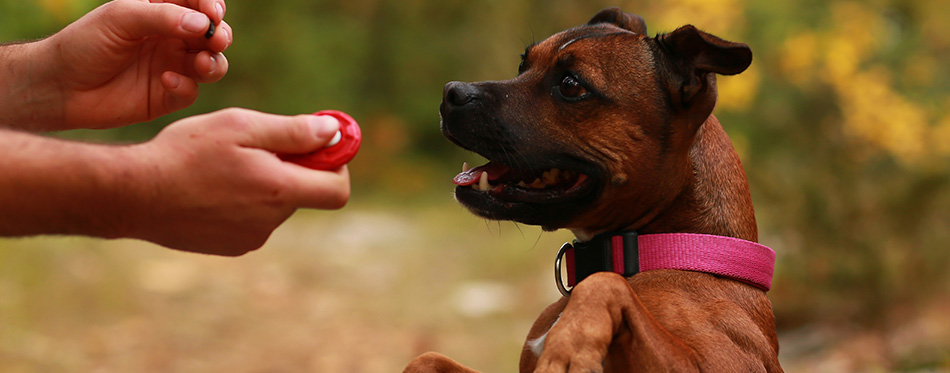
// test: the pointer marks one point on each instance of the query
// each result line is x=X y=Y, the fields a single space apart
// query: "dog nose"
x=459 y=93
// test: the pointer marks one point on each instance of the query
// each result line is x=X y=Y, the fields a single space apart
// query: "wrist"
x=149 y=180
x=105 y=191
x=30 y=98
x=125 y=191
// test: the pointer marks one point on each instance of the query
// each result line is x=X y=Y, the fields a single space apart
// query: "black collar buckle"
x=607 y=252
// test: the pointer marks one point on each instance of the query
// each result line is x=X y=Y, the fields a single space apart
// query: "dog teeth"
x=483 y=182
x=549 y=177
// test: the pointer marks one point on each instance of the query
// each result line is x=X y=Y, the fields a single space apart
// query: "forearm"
x=29 y=98
x=52 y=186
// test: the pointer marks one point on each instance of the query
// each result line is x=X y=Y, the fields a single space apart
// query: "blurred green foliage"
x=842 y=121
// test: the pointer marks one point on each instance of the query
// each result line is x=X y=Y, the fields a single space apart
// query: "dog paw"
x=579 y=340
x=571 y=348
x=432 y=362
x=572 y=363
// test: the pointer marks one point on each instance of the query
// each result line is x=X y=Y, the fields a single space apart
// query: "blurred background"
x=842 y=123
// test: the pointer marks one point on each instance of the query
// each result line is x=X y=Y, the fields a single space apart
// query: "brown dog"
x=605 y=129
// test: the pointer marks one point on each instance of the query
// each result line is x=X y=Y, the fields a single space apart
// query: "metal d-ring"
x=557 y=270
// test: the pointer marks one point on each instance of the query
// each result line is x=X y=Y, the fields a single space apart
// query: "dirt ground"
x=363 y=289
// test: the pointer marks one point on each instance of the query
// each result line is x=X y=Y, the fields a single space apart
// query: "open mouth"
x=508 y=184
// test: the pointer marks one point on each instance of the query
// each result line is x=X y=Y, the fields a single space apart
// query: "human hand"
x=216 y=186
x=130 y=61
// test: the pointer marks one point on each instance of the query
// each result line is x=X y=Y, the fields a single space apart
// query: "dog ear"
x=707 y=52
x=695 y=54
x=615 y=16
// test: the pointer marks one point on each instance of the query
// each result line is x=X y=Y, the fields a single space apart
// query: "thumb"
x=134 y=20
x=293 y=135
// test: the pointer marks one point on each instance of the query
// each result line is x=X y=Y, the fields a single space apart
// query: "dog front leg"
x=604 y=313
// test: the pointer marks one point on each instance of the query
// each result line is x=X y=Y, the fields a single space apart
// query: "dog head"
x=594 y=133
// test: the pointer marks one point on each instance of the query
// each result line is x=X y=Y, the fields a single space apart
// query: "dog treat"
x=338 y=152
x=210 y=32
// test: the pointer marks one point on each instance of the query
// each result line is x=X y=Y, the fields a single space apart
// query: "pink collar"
x=628 y=253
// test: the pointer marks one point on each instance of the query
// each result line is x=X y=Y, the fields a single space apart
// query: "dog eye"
x=571 y=88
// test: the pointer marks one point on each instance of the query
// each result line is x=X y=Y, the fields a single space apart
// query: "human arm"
x=210 y=183
x=125 y=62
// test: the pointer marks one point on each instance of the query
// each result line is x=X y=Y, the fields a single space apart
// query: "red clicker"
x=338 y=152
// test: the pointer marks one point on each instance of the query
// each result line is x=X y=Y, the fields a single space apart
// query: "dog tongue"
x=494 y=170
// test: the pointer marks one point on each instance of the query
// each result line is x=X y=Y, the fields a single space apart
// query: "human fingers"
x=327 y=190
x=278 y=133
x=134 y=20
x=213 y=8
x=222 y=38
x=180 y=91
x=207 y=67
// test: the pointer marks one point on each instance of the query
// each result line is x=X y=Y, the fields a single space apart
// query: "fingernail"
x=219 y=10
x=194 y=22
x=214 y=64
x=324 y=125
x=174 y=81
x=336 y=139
